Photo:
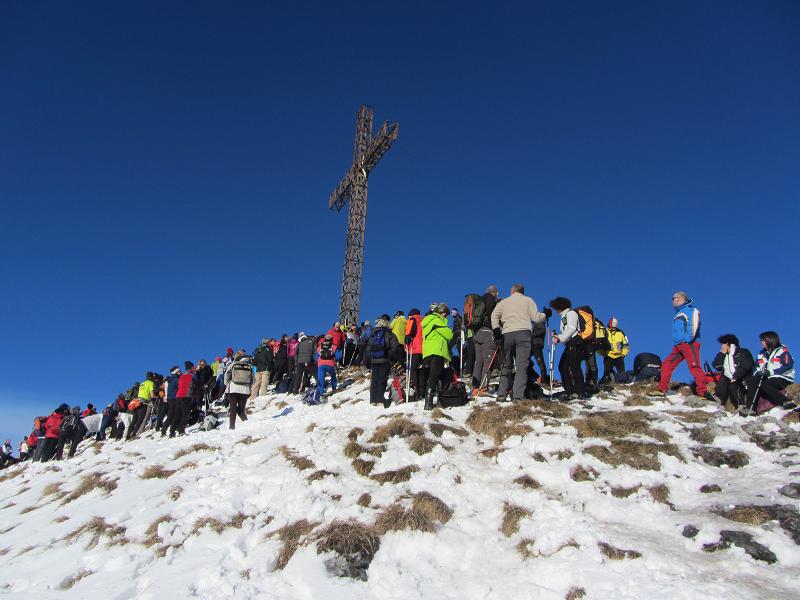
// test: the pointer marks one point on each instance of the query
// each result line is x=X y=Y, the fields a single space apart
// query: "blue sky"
x=165 y=170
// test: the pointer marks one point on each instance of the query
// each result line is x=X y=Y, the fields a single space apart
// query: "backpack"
x=284 y=386
x=378 y=343
x=210 y=422
x=69 y=424
x=474 y=311
x=586 y=323
x=454 y=395
x=326 y=350
x=312 y=396
x=241 y=373
x=601 y=342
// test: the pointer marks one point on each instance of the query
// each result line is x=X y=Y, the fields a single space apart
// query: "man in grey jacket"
x=511 y=322
x=304 y=363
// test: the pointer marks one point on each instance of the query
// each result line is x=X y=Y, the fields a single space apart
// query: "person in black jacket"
x=735 y=364
x=265 y=364
x=538 y=334
x=646 y=366
x=304 y=367
x=72 y=430
x=281 y=360
x=381 y=345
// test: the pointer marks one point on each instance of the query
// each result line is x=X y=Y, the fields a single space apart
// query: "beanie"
x=612 y=322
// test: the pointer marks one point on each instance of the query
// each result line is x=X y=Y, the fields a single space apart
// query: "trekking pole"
x=408 y=372
x=461 y=356
x=755 y=397
x=485 y=378
x=550 y=358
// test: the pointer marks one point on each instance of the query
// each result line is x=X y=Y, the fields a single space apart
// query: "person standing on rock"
x=512 y=321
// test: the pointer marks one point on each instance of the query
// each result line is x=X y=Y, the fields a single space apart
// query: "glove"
x=547 y=312
x=409 y=339
x=498 y=334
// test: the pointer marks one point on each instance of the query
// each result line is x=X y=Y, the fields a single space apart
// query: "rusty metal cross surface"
x=353 y=187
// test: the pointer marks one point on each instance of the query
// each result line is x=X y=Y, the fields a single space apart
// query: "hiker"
x=7 y=455
x=774 y=372
x=187 y=382
x=381 y=347
x=205 y=383
x=685 y=346
x=436 y=336
x=350 y=346
x=413 y=343
x=166 y=409
x=735 y=363
x=538 y=334
x=72 y=430
x=238 y=381
x=264 y=361
x=569 y=365
x=304 y=363
x=363 y=338
x=398 y=327
x=89 y=410
x=618 y=348
x=291 y=351
x=36 y=438
x=593 y=334
x=23 y=450
x=485 y=345
x=281 y=360
x=140 y=406
x=511 y=324
x=326 y=362
x=52 y=432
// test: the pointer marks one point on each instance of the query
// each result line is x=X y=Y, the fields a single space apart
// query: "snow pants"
x=321 y=371
x=418 y=380
x=377 y=386
x=771 y=389
x=691 y=354
x=436 y=373
x=516 y=351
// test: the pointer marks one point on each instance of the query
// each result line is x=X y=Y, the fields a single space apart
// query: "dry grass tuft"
x=200 y=447
x=438 y=414
x=421 y=444
x=157 y=472
x=152 y=538
x=512 y=515
x=752 y=515
x=501 y=421
x=581 y=473
x=424 y=511
x=9 y=528
x=638 y=400
x=617 y=553
x=396 y=475
x=28 y=509
x=71 y=580
x=564 y=454
x=493 y=451
x=539 y=457
x=301 y=463
x=89 y=483
x=175 y=492
x=639 y=455
x=660 y=493
x=397 y=427
x=363 y=467
x=353 y=542
x=61 y=519
x=528 y=482
x=97 y=528
x=311 y=427
x=691 y=416
x=353 y=449
x=249 y=439
x=364 y=500
x=12 y=472
x=354 y=433
x=702 y=435
x=623 y=492
x=557 y=410
x=50 y=489
x=290 y=536
x=575 y=593
x=524 y=548
x=317 y=475
x=432 y=507
x=438 y=429
x=617 y=424
x=215 y=524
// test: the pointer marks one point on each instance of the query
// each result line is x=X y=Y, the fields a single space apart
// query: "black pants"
x=728 y=390
x=163 y=409
x=377 y=386
x=49 y=446
x=417 y=382
x=569 y=367
x=591 y=367
x=237 y=406
x=172 y=407
x=136 y=422
x=180 y=417
x=436 y=372
x=281 y=370
x=771 y=389
x=610 y=365
x=349 y=353
x=302 y=373
x=74 y=438
x=537 y=352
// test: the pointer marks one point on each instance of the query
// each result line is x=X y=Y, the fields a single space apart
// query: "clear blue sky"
x=165 y=169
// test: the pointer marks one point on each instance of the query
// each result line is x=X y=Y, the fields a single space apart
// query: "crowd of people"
x=443 y=357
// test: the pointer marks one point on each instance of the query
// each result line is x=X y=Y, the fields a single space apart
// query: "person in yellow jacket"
x=618 y=349
x=436 y=336
x=398 y=327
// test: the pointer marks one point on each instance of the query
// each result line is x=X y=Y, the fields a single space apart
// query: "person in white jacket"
x=569 y=365
x=239 y=380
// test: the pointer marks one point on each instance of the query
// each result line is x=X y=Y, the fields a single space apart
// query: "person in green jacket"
x=436 y=336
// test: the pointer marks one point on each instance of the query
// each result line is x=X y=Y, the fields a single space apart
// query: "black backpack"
x=326 y=351
x=69 y=424
x=378 y=343
x=454 y=395
x=474 y=311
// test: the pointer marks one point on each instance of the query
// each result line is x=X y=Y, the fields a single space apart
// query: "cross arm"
x=342 y=192
x=380 y=144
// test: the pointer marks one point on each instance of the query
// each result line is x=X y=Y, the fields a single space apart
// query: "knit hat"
x=612 y=322
x=229 y=350
x=62 y=408
x=218 y=359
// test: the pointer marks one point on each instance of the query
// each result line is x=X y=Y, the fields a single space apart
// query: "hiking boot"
x=502 y=398
x=428 y=401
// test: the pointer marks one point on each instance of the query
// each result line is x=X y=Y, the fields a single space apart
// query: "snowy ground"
x=224 y=524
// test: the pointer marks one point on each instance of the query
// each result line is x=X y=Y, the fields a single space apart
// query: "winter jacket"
x=215 y=367
x=398 y=327
x=778 y=363
x=33 y=438
x=53 y=425
x=414 y=329
x=263 y=358
x=366 y=331
x=489 y=304
x=204 y=376
x=305 y=351
x=436 y=336
x=646 y=359
x=569 y=326
x=390 y=345
x=735 y=364
x=282 y=355
x=7 y=450
x=618 y=342
x=685 y=324
x=186 y=384
x=326 y=362
x=146 y=391
x=516 y=313
x=172 y=386
x=538 y=334
x=88 y=412
x=338 y=336
x=292 y=347
x=239 y=388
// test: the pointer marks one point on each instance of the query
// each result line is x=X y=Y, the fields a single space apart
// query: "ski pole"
x=461 y=356
x=408 y=371
x=550 y=358
x=755 y=396
x=485 y=378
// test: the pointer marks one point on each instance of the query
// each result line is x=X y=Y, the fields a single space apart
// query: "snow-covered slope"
x=520 y=501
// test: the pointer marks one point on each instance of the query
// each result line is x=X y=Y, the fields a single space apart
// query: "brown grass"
x=639 y=455
x=157 y=472
x=752 y=515
x=617 y=424
x=317 y=475
x=421 y=444
x=524 y=548
x=493 y=451
x=50 y=489
x=419 y=512
x=575 y=593
x=623 y=492
x=200 y=447
x=363 y=467
x=581 y=473
x=301 y=463
x=500 y=422
x=28 y=509
x=397 y=427
x=512 y=515
x=9 y=528
x=97 y=528
x=396 y=475
x=249 y=439
x=290 y=535
x=691 y=416
x=702 y=435
x=354 y=433
x=617 y=553
x=311 y=427
x=564 y=454
x=557 y=410
x=61 y=519
x=353 y=449
x=71 y=580
x=8 y=505
x=660 y=493
x=89 y=483
x=438 y=414
x=175 y=492
x=364 y=500
x=152 y=537
x=12 y=472
x=539 y=457
x=215 y=524
x=528 y=482
x=637 y=400
x=438 y=429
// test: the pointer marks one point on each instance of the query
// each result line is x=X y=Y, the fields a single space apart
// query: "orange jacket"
x=414 y=324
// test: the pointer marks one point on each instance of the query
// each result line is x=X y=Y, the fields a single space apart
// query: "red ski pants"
x=691 y=354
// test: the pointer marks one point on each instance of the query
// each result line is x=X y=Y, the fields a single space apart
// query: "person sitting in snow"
x=774 y=373
x=735 y=363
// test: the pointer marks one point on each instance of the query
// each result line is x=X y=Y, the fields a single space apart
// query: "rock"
x=690 y=531
x=775 y=441
x=745 y=542
x=710 y=488
x=696 y=402
x=716 y=457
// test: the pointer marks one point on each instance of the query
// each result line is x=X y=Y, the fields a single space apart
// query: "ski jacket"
x=516 y=313
x=569 y=326
x=263 y=358
x=390 y=345
x=646 y=359
x=282 y=355
x=146 y=391
x=53 y=425
x=239 y=388
x=436 y=336
x=33 y=438
x=186 y=384
x=172 y=386
x=338 y=336
x=88 y=412
x=398 y=327
x=538 y=333
x=778 y=363
x=215 y=367
x=686 y=324
x=618 y=343
x=414 y=329
x=326 y=362
x=292 y=347
x=204 y=376
x=305 y=351
x=7 y=449
x=735 y=364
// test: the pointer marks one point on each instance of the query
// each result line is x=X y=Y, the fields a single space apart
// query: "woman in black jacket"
x=735 y=364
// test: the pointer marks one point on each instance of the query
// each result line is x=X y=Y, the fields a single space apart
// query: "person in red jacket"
x=89 y=410
x=414 y=350
x=52 y=432
x=182 y=403
x=337 y=335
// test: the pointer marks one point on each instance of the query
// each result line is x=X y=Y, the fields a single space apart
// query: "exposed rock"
x=745 y=541
x=716 y=457
x=776 y=441
x=690 y=531
x=710 y=488
x=790 y=490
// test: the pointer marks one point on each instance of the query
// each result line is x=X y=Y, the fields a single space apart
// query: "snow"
x=244 y=479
